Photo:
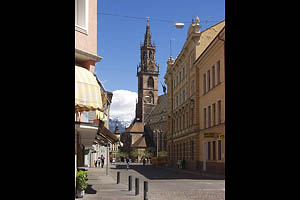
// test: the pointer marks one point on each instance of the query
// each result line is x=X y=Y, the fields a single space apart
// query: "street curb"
x=205 y=175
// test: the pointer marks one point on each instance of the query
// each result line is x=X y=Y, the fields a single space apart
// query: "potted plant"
x=81 y=184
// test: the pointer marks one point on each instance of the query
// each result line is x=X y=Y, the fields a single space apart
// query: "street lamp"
x=157 y=131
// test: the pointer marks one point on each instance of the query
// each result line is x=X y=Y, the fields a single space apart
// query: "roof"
x=158 y=111
x=141 y=142
x=135 y=127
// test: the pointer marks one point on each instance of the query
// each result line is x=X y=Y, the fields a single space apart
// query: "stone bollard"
x=145 y=190
x=118 y=177
x=129 y=183
x=137 y=187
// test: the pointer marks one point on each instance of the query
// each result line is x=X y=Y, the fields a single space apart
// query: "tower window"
x=150 y=54
x=150 y=82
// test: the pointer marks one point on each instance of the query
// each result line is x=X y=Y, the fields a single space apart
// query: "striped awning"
x=87 y=91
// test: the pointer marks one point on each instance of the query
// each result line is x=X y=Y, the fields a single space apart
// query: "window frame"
x=77 y=26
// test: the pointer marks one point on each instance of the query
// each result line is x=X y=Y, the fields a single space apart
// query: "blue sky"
x=119 y=37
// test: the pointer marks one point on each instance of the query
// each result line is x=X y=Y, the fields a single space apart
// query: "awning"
x=87 y=132
x=87 y=91
x=106 y=134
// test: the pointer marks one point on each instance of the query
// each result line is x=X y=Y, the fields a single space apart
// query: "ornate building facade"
x=191 y=112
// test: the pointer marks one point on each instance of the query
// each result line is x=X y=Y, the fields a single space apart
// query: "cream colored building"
x=89 y=97
x=211 y=65
x=184 y=93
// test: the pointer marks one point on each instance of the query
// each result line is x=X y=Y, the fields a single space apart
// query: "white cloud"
x=123 y=105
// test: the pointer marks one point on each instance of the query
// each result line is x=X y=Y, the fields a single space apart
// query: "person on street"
x=144 y=161
x=183 y=163
x=98 y=162
x=127 y=163
x=102 y=160
x=95 y=163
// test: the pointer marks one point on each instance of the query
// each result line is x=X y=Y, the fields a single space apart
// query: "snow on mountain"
x=122 y=125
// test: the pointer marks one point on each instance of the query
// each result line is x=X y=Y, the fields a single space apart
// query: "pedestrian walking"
x=102 y=160
x=183 y=163
x=95 y=163
x=144 y=161
x=98 y=162
x=127 y=163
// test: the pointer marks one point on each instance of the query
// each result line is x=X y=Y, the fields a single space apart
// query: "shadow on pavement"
x=90 y=190
x=161 y=173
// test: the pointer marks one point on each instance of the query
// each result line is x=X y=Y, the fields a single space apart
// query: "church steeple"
x=148 y=40
x=117 y=131
x=147 y=73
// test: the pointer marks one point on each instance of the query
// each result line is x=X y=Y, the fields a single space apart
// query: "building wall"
x=87 y=42
x=187 y=134
x=215 y=93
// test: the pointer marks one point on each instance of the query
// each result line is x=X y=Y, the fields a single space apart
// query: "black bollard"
x=118 y=177
x=129 y=183
x=137 y=187
x=145 y=190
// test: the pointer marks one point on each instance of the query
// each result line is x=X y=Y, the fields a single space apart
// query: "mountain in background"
x=122 y=125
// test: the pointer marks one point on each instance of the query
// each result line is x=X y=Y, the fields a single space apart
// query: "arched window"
x=149 y=98
x=140 y=83
x=150 y=82
x=150 y=54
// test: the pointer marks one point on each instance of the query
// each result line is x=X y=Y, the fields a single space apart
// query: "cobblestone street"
x=163 y=183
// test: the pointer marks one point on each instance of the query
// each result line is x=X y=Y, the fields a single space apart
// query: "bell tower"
x=147 y=73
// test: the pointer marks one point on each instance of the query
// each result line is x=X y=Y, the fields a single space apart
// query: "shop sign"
x=209 y=135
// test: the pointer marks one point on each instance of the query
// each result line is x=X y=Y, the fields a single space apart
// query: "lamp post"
x=157 y=131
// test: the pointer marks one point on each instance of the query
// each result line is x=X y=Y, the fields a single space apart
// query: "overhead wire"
x=144 y=18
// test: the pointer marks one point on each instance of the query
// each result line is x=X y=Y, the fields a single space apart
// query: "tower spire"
x=148 y=40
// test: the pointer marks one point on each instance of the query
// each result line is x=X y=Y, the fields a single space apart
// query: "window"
x=183 y=150
x=180 y=76
x=192 y=116
x=81 y=14
x=183 y=95
x=218 y=72
x=208 y=151
x=192 y=87
x=214 y=114
x=219 y=150
x=187 y=119
x=204 y=83
x=179 y=123
x=208 y=80
x=150 y=82
x=183 y=72
x=219 y=108
x=140 y=83
x=214 y=150
x=192 y=150
x=183 y=119
x=209 y=116
x=150 y=54
x=213 y=76
x=204 y=118
x=180 y=151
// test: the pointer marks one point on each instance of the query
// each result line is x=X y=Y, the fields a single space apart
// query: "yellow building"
x=185 y=106
x=211 y=65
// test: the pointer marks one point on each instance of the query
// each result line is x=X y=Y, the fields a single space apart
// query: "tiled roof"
x=135 y=127
x=140 y=143
x=158 y=111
